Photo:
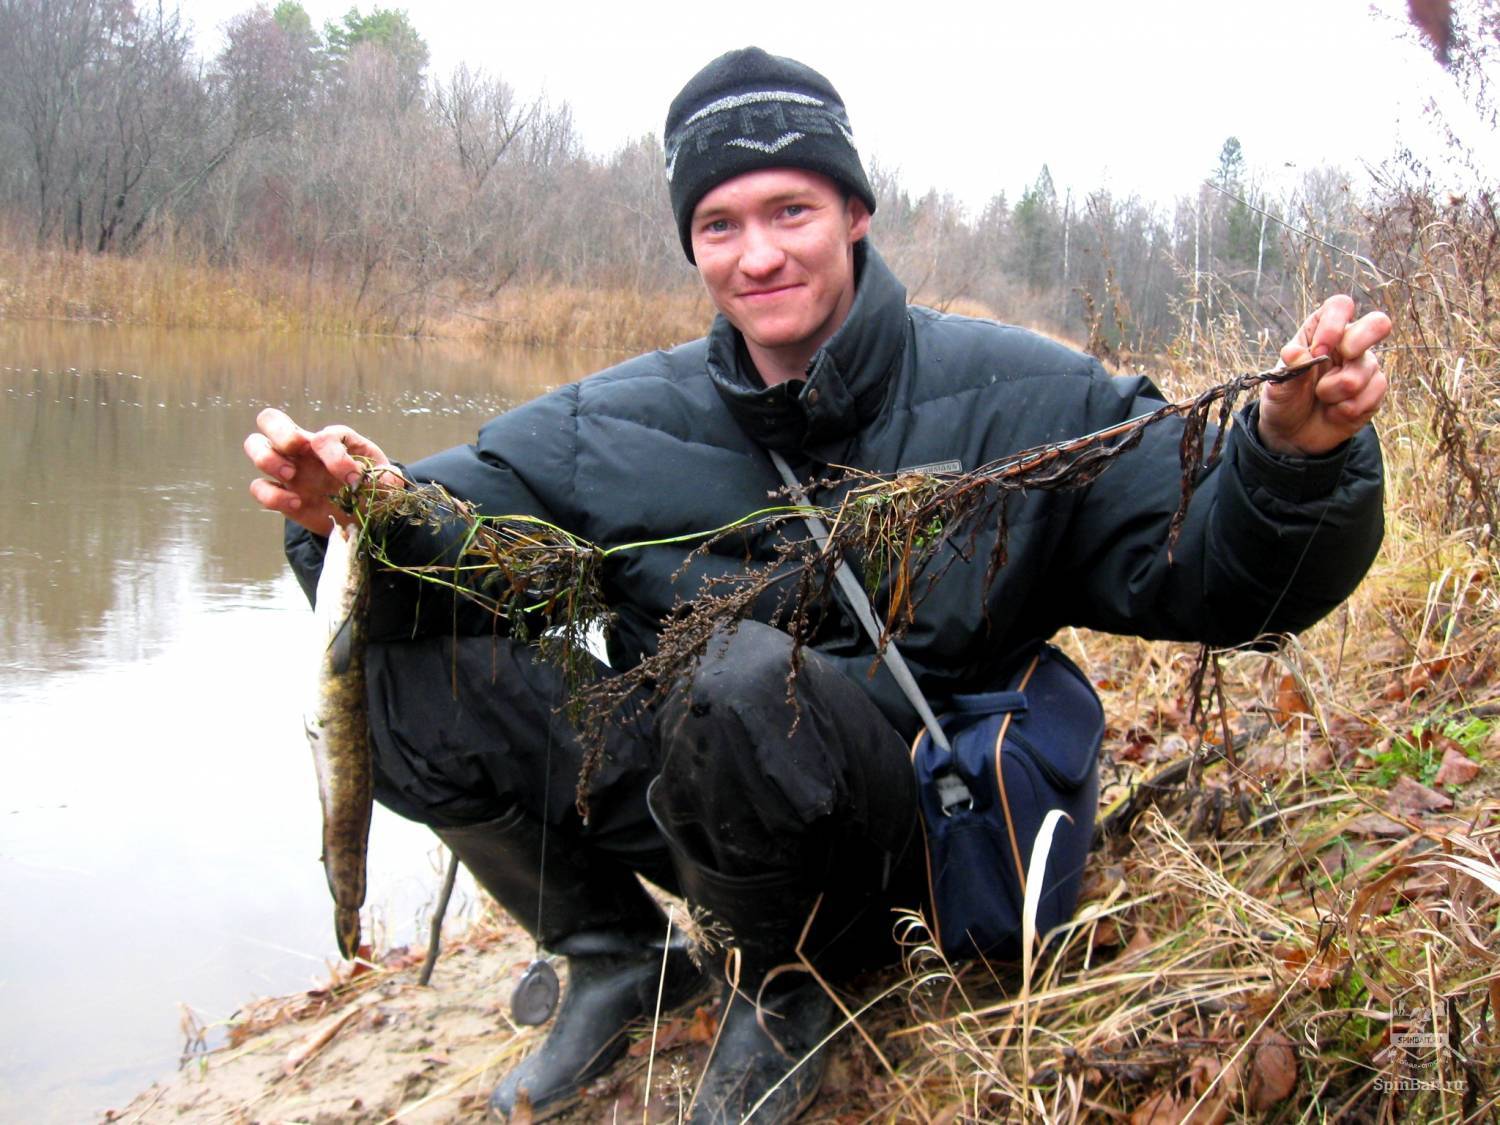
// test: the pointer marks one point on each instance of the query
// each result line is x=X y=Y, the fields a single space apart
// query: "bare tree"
x=483 y=118
x=46 y=48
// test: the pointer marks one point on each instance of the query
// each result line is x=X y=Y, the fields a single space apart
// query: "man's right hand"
x=305 y=469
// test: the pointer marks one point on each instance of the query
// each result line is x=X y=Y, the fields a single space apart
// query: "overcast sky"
x=972 y=97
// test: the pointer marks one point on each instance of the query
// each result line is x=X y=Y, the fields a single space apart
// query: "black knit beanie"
x=748 y=110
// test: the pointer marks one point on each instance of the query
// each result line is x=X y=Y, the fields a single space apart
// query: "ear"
x=859 y=218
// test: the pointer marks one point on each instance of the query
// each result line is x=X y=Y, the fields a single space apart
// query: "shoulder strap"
x=861 y=606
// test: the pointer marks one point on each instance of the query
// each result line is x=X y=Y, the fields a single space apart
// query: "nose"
x=761 y=254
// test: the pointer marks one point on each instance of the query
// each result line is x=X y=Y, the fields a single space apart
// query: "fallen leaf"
x=1457 y=768
x=1290 y=702
x=1162 y=1108
x=1411 y=798
x=1432 y=740
x=1317 y=756
x=1137 y=740
x=1215 y=1109
x=1347 y=732
x=674 y=1032
x=403 y=957
x=1273 y=1071
x=1140 y=942
x=1375 y=824
x=1322 y=971
x=1417 y=887
x=1203 y=1071
x=1421 y=675
x=1106 y=935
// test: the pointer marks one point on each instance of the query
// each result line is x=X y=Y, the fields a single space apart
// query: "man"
x=816 y=355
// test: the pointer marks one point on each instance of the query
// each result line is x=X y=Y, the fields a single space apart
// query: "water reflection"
x=123 y=459
x=158 y=824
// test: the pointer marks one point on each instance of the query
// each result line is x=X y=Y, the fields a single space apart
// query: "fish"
x=337 y=722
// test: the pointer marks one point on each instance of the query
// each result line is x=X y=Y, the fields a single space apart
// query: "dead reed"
x=172 y=287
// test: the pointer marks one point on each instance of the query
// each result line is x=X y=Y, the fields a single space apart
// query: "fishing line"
x=535 y=996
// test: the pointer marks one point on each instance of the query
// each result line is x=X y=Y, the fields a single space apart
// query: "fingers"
x=335 y=447
x=304 y=469
x=280 y=448
x=265 y=458
x=1358 y=365
x=277 y=444
x=1328 y=325
x=284 y=435
x=1358 y=409
x=1331 y=331
x=1296 y=350
x=1364 y=334
x=272 y=497
x=1313 y=415
x=1361 y=383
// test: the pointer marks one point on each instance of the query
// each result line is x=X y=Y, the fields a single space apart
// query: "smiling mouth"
x=775 y=292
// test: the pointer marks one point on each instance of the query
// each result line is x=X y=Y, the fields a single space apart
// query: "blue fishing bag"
x=1017 y=754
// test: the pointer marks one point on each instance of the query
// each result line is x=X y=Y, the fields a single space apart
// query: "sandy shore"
x=377 y=1046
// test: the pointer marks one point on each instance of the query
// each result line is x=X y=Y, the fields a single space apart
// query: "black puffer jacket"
x=673 y=442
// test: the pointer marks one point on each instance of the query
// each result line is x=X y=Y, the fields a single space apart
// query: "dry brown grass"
x=1311 y=928
x=621 y=319
x=1286 y=935
x=167 y=288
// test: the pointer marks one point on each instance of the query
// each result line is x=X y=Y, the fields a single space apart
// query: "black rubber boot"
x=766 y=1064
x=611 y=933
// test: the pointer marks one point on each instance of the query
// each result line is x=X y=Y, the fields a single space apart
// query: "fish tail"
x=346 y=926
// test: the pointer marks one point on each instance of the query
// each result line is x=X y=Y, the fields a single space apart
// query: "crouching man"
x=713 y=793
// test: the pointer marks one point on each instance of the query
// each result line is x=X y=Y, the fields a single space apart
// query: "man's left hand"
x=1319 y=411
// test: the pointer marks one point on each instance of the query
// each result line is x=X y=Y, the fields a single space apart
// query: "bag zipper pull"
x=952 y=792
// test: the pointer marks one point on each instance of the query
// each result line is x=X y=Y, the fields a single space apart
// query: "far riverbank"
x=161 y=289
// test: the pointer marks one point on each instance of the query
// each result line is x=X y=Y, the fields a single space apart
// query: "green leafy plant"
x=1420 y=754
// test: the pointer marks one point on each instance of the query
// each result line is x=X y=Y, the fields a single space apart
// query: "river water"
x=159 y=824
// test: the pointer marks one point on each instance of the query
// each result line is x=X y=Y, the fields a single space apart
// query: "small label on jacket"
x=934 y=467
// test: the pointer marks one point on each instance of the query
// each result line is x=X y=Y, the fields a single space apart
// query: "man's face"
x=775 y=249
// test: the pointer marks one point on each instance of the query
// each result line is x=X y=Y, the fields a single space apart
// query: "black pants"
x=466 y=728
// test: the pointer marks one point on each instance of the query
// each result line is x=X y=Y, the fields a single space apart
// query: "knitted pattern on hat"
x=749 y=110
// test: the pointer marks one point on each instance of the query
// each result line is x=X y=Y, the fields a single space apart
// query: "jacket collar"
x=846 y=378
